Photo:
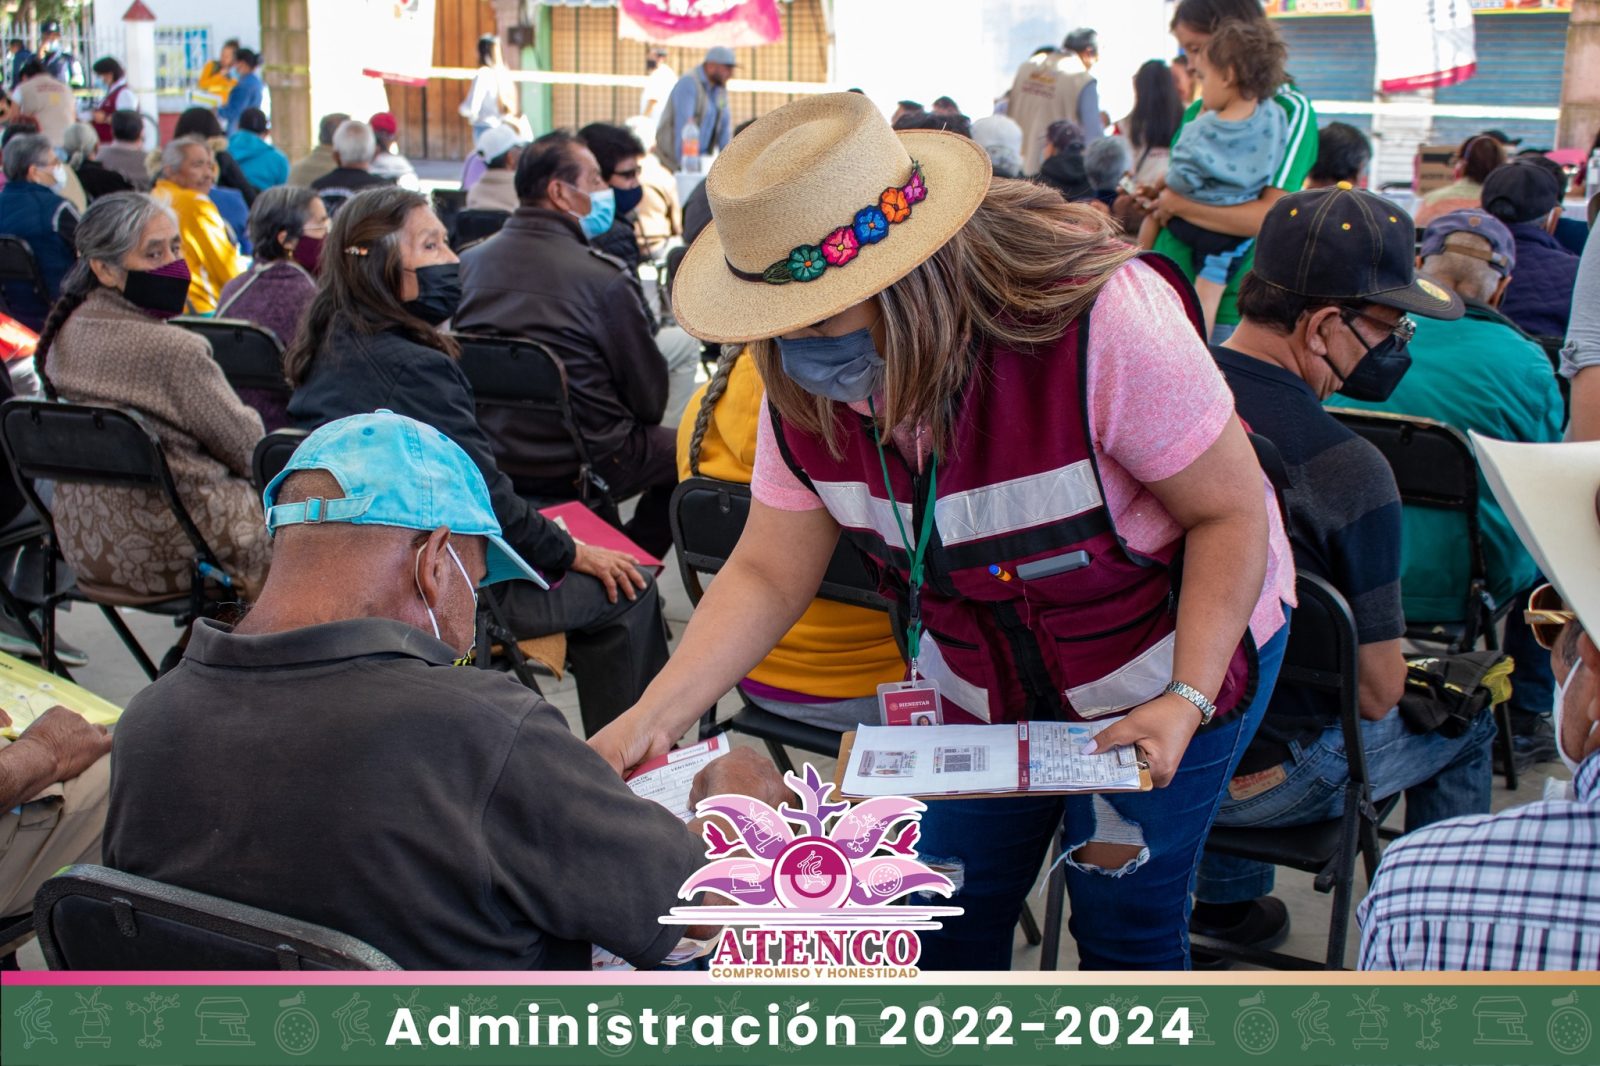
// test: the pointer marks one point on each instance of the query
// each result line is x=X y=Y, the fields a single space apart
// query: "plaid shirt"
x=1518 y=890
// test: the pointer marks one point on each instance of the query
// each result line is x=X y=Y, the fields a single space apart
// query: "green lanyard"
x=920 y=554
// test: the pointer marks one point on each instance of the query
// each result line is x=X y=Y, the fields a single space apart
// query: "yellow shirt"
x=215 y=81
x=213 y=258
x=835 y=651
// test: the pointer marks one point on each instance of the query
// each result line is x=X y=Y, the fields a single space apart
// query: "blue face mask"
x=602 y=212
x=846 y=369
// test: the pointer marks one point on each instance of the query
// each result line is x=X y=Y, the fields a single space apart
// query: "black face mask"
x=438 y=293
x=160 y=293
x=1378 y=374
x=628 y=199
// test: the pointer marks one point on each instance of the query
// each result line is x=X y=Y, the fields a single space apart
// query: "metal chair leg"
x=20 y=612
x=1503 y=740
x=128 y=639
x=780 y=757
x=1030 y=927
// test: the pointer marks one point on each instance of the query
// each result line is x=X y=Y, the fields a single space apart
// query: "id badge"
x=910 y=703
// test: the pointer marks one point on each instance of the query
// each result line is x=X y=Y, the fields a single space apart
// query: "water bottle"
x=689 y=148
x=1591 y=177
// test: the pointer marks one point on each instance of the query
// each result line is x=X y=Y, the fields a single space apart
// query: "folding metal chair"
x=87 y=444
x=19 y=267
x=1322 y=656
x=1435 y=469
x=250 y=355
x=96 y=918
x=525 y=375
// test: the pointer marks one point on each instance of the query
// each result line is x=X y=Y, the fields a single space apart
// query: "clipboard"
x=847 y=742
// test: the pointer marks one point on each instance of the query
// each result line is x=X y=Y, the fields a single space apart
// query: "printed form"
x=666 y=779
x=949 y=760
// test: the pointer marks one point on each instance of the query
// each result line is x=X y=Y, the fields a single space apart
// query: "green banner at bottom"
x=1009 y=1021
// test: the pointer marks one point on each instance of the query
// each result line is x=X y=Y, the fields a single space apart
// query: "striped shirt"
x=1519 y=890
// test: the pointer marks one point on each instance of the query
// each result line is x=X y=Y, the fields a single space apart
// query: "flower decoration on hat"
x=871 y=225
x=841 y=246
x=808 y=262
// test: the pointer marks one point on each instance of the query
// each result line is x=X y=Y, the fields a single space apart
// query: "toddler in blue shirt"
x=1227 y=154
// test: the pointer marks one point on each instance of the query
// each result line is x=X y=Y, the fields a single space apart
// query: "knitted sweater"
x=124 y=543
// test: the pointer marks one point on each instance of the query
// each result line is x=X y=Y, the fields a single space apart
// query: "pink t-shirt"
x=1156 y=402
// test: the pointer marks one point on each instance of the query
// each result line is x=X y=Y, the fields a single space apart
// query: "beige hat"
x=818 y=206
x=1551 y=494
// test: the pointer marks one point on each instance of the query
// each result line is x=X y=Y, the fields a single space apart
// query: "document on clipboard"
x=972 y=760
x=666 y=779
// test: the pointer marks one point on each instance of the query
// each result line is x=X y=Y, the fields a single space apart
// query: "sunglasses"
x=1404 y=329
x=1547 y=615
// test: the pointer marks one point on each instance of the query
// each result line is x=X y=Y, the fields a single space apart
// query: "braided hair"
x=109 y=230
x=714 y=390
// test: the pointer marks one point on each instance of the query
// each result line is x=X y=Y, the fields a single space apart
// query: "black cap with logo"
x=1342 y=243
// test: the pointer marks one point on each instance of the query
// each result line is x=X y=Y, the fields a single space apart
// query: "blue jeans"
x=1222 y=331
x=1441 y=776
x=1133 y=918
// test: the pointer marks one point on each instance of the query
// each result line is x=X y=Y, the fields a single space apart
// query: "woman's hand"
x=615 y=570
x=1159 y=730
x=630 y=739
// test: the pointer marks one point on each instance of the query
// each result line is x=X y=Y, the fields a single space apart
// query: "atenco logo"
x=814 y=887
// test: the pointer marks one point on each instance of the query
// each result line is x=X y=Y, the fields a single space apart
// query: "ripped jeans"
x=1134 y=918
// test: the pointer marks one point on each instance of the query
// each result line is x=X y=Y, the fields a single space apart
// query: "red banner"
x=700 y=23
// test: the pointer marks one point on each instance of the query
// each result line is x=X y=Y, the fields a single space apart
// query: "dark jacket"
x=99 y=180
x=229 y=176
x=48 y=224
x=1539 y=298
x=349 y=178
x=354 y=374
x=538 y=278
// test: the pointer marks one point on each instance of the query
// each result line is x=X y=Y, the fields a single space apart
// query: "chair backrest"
x=1433 y=468
x=89 y=444
x=1322 y=655
x=272 y=454
x=18 y=264
x=95 y=918
x=251 y=356
x=474 y=224
x=707 y=517
x=514 y=372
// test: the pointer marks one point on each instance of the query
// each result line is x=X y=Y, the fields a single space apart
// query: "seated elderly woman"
x=187 y=175
x=32 y=207
x=82 y=145
x=107 y=342
x=287 y=226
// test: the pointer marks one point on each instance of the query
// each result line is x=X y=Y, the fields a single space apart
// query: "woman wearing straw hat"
x=1023 y=432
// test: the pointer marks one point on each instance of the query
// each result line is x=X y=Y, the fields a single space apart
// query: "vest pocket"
x=1081 y=659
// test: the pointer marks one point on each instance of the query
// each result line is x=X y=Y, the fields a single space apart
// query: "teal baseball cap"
x=396 y=471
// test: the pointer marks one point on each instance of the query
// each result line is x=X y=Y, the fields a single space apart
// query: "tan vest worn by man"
x=1046 y=88
x=51 y=103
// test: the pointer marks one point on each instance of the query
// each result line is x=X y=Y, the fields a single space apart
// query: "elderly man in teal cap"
x=323 y=759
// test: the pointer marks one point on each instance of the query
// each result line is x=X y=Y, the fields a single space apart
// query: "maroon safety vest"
x=103 y=129
x=1020 y=484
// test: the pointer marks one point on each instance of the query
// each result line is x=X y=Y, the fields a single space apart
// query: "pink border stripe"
x=346 y=977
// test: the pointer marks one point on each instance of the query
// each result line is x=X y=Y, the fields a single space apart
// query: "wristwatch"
x=1206 y=708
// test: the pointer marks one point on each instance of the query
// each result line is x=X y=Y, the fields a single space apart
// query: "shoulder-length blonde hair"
x=1016 y=275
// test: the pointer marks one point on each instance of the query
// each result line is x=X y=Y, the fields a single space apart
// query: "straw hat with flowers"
x=818 y=206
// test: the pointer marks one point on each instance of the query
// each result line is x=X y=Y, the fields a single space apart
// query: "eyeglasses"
x=1403 y=330
x=1547 y=615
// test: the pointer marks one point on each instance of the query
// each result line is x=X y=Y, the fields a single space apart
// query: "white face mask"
x=417 y=577
x=1556 y=720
